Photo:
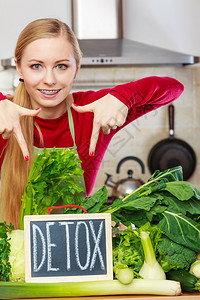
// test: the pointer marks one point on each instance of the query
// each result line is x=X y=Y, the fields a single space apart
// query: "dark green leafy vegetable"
x=164 y=200
x=181 y=229
x=91 y=204
x=54 y=175
x=5 y=266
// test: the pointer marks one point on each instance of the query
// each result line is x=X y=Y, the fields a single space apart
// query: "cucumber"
x=189 y=282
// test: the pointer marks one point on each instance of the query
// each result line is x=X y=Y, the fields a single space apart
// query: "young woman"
x=47 y=57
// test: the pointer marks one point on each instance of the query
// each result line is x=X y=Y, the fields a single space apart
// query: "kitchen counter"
x=184 y=296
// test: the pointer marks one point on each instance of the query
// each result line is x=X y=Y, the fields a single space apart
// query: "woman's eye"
x=61 y=66
x=36 y=66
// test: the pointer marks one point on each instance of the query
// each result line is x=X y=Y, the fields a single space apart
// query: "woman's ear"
x=18 y=68
x=77 y=69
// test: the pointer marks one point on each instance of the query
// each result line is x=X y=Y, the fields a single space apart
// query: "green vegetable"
x=164 y=200
x=174 y=256
x=189 y=282
x=127 y=251
x=10 y=290
x=151 y=269
x=195 y=268
x=92 y=204
x=54 y=175
x=16 y=256
x=125 y=276
x=5 y=266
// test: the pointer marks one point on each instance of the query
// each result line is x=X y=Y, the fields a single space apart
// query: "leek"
x=17 y=290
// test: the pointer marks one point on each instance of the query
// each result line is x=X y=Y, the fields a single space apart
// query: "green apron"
x=37 y=150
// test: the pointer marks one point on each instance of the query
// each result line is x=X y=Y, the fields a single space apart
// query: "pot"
x=126 y=185
x=172 y=152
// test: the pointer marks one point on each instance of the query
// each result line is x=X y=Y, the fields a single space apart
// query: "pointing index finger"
x=21 y=141
x=94 y=138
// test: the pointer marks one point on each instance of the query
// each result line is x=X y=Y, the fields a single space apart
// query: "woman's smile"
x=49 y=93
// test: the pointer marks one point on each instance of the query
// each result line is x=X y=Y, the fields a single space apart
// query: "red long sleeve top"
x=141 y=97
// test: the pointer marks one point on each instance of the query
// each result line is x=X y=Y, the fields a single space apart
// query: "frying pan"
x=172 y=152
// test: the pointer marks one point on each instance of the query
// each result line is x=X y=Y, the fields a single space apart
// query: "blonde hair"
x=15 y=169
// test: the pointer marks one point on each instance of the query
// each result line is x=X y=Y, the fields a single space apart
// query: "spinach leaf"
x=180 y=189
x=173 y=174
x=144 y=203
x=91 y=204
x=155 y=183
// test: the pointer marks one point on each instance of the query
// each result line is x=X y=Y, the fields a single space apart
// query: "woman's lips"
x=49 y=93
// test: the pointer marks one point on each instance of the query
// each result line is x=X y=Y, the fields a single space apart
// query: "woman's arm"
x=153 y=91
x=118 y=106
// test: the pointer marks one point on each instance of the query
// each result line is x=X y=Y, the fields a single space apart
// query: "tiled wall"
x=138 y=138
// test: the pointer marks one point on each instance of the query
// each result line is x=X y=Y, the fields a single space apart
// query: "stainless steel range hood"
x=126 y=52
x=98 y=26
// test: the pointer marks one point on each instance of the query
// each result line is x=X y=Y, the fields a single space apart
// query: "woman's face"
x=48 y=68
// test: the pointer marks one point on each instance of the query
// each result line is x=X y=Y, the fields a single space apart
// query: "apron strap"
x=71 y=123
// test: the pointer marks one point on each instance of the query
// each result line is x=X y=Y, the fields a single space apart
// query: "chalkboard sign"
x=68 y=247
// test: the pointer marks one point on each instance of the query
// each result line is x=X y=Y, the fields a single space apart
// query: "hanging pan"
x=172 y=152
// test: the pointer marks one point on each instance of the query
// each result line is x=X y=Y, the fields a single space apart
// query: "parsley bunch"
x=55 y=175
x=5 y=266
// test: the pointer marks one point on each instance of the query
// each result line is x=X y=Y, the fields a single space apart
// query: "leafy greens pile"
x=165 y=205
x=166 y=201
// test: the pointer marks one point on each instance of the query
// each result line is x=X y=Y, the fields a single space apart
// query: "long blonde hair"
x=15 y=169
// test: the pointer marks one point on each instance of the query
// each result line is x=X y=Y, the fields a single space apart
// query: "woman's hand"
x=10 y=114
x=109 y=113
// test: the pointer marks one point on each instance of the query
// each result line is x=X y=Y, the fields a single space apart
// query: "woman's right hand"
x=10 y=114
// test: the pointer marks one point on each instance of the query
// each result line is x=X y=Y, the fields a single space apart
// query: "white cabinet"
x=171 y=24
x=16 y=14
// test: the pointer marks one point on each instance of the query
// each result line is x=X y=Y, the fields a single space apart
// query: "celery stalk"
x=16 y=290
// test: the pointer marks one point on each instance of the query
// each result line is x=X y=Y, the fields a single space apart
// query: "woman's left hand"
x=109 y=113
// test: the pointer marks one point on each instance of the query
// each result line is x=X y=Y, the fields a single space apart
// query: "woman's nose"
x=49 y=77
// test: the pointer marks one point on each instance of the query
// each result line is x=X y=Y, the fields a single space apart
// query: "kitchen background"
x=173 y=25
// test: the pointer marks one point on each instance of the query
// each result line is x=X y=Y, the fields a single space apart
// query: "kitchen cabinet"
x=15 y=15
x=172 y=24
